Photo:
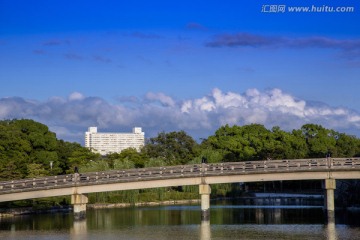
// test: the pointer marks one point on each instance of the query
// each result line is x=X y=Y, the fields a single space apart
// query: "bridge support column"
x=79 y=202
x=330 y=186
x=204 y=191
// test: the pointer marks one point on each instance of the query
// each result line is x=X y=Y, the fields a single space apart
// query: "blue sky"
x=189 y=65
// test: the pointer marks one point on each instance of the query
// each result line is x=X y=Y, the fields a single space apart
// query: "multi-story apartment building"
x=105 y=143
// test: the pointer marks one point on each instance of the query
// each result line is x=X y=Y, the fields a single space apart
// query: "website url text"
x=308 y=9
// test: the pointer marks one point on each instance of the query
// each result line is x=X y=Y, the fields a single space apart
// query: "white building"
x=105 y=143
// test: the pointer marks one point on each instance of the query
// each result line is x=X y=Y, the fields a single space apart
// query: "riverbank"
x=141 y=204
x=5 y=213
x=12 y=212
x=259 y=197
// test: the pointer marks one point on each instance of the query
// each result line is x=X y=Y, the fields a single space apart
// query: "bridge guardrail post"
x=76 y=178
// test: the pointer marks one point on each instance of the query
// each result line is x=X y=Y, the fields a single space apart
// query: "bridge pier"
x=330 y=186
x=204 y=191
x=79 y=202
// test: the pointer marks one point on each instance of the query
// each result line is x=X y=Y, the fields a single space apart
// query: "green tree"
x=174 y=147
x=211 y=156
x=346 y=146
x=95 y=166
x=136 y=158
x=133 y=155
x=287 y=145
x=320 y=140
x=9 y=171
x=155 y=162
x=24 y=142
x=250 y=142
x=81 y=157
x=228 y=141
x=64 y=151
x=36 y=170
x=123 y=164
x=255 y=142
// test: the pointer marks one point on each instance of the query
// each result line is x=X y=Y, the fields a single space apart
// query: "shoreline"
x=141 y=204
x=12 y=212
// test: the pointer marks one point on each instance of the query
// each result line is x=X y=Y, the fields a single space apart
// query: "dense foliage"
x=255 y=142
x=29 y=149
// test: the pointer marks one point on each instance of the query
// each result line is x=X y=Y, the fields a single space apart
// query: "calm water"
x=183 y=222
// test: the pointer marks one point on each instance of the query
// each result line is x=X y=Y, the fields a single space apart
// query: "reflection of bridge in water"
x=203 y=175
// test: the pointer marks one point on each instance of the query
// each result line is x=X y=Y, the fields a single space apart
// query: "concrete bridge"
x=203 y=175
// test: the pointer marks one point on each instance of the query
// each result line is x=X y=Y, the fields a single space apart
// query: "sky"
x=180 y=65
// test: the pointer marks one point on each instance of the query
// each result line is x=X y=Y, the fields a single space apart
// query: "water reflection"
x=205 y=232
x=79 y=230
x=266 y=215
x=331 y=231
x=183 y=222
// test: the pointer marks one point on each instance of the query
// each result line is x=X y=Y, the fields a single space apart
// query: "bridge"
x=77 y=185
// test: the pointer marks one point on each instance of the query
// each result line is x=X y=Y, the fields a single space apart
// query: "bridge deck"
x=187 y=175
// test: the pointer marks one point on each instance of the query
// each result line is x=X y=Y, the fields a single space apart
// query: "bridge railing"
x=344 y=163
x=266 y=166
x=182 y=171
x=38 y=183
x=141 y=173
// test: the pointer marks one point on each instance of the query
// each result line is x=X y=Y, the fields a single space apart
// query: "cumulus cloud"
x=160 y=97
x=70 y=117
x=76 y=96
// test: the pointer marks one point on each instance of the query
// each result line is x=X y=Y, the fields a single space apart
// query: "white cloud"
x=200 y=117
x=76 y=96
x=162 y=98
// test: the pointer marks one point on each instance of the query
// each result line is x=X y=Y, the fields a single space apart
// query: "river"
x=228 y=221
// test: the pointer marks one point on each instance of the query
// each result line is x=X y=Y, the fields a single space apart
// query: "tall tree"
x=320 y=141
x=81 y=157
x=64 y=151
x=288 y=145
x=249 y=142
x=24 y=142
x=173 y=147
x=346 y=146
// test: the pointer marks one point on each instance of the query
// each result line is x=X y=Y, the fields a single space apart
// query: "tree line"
x=29 y=149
